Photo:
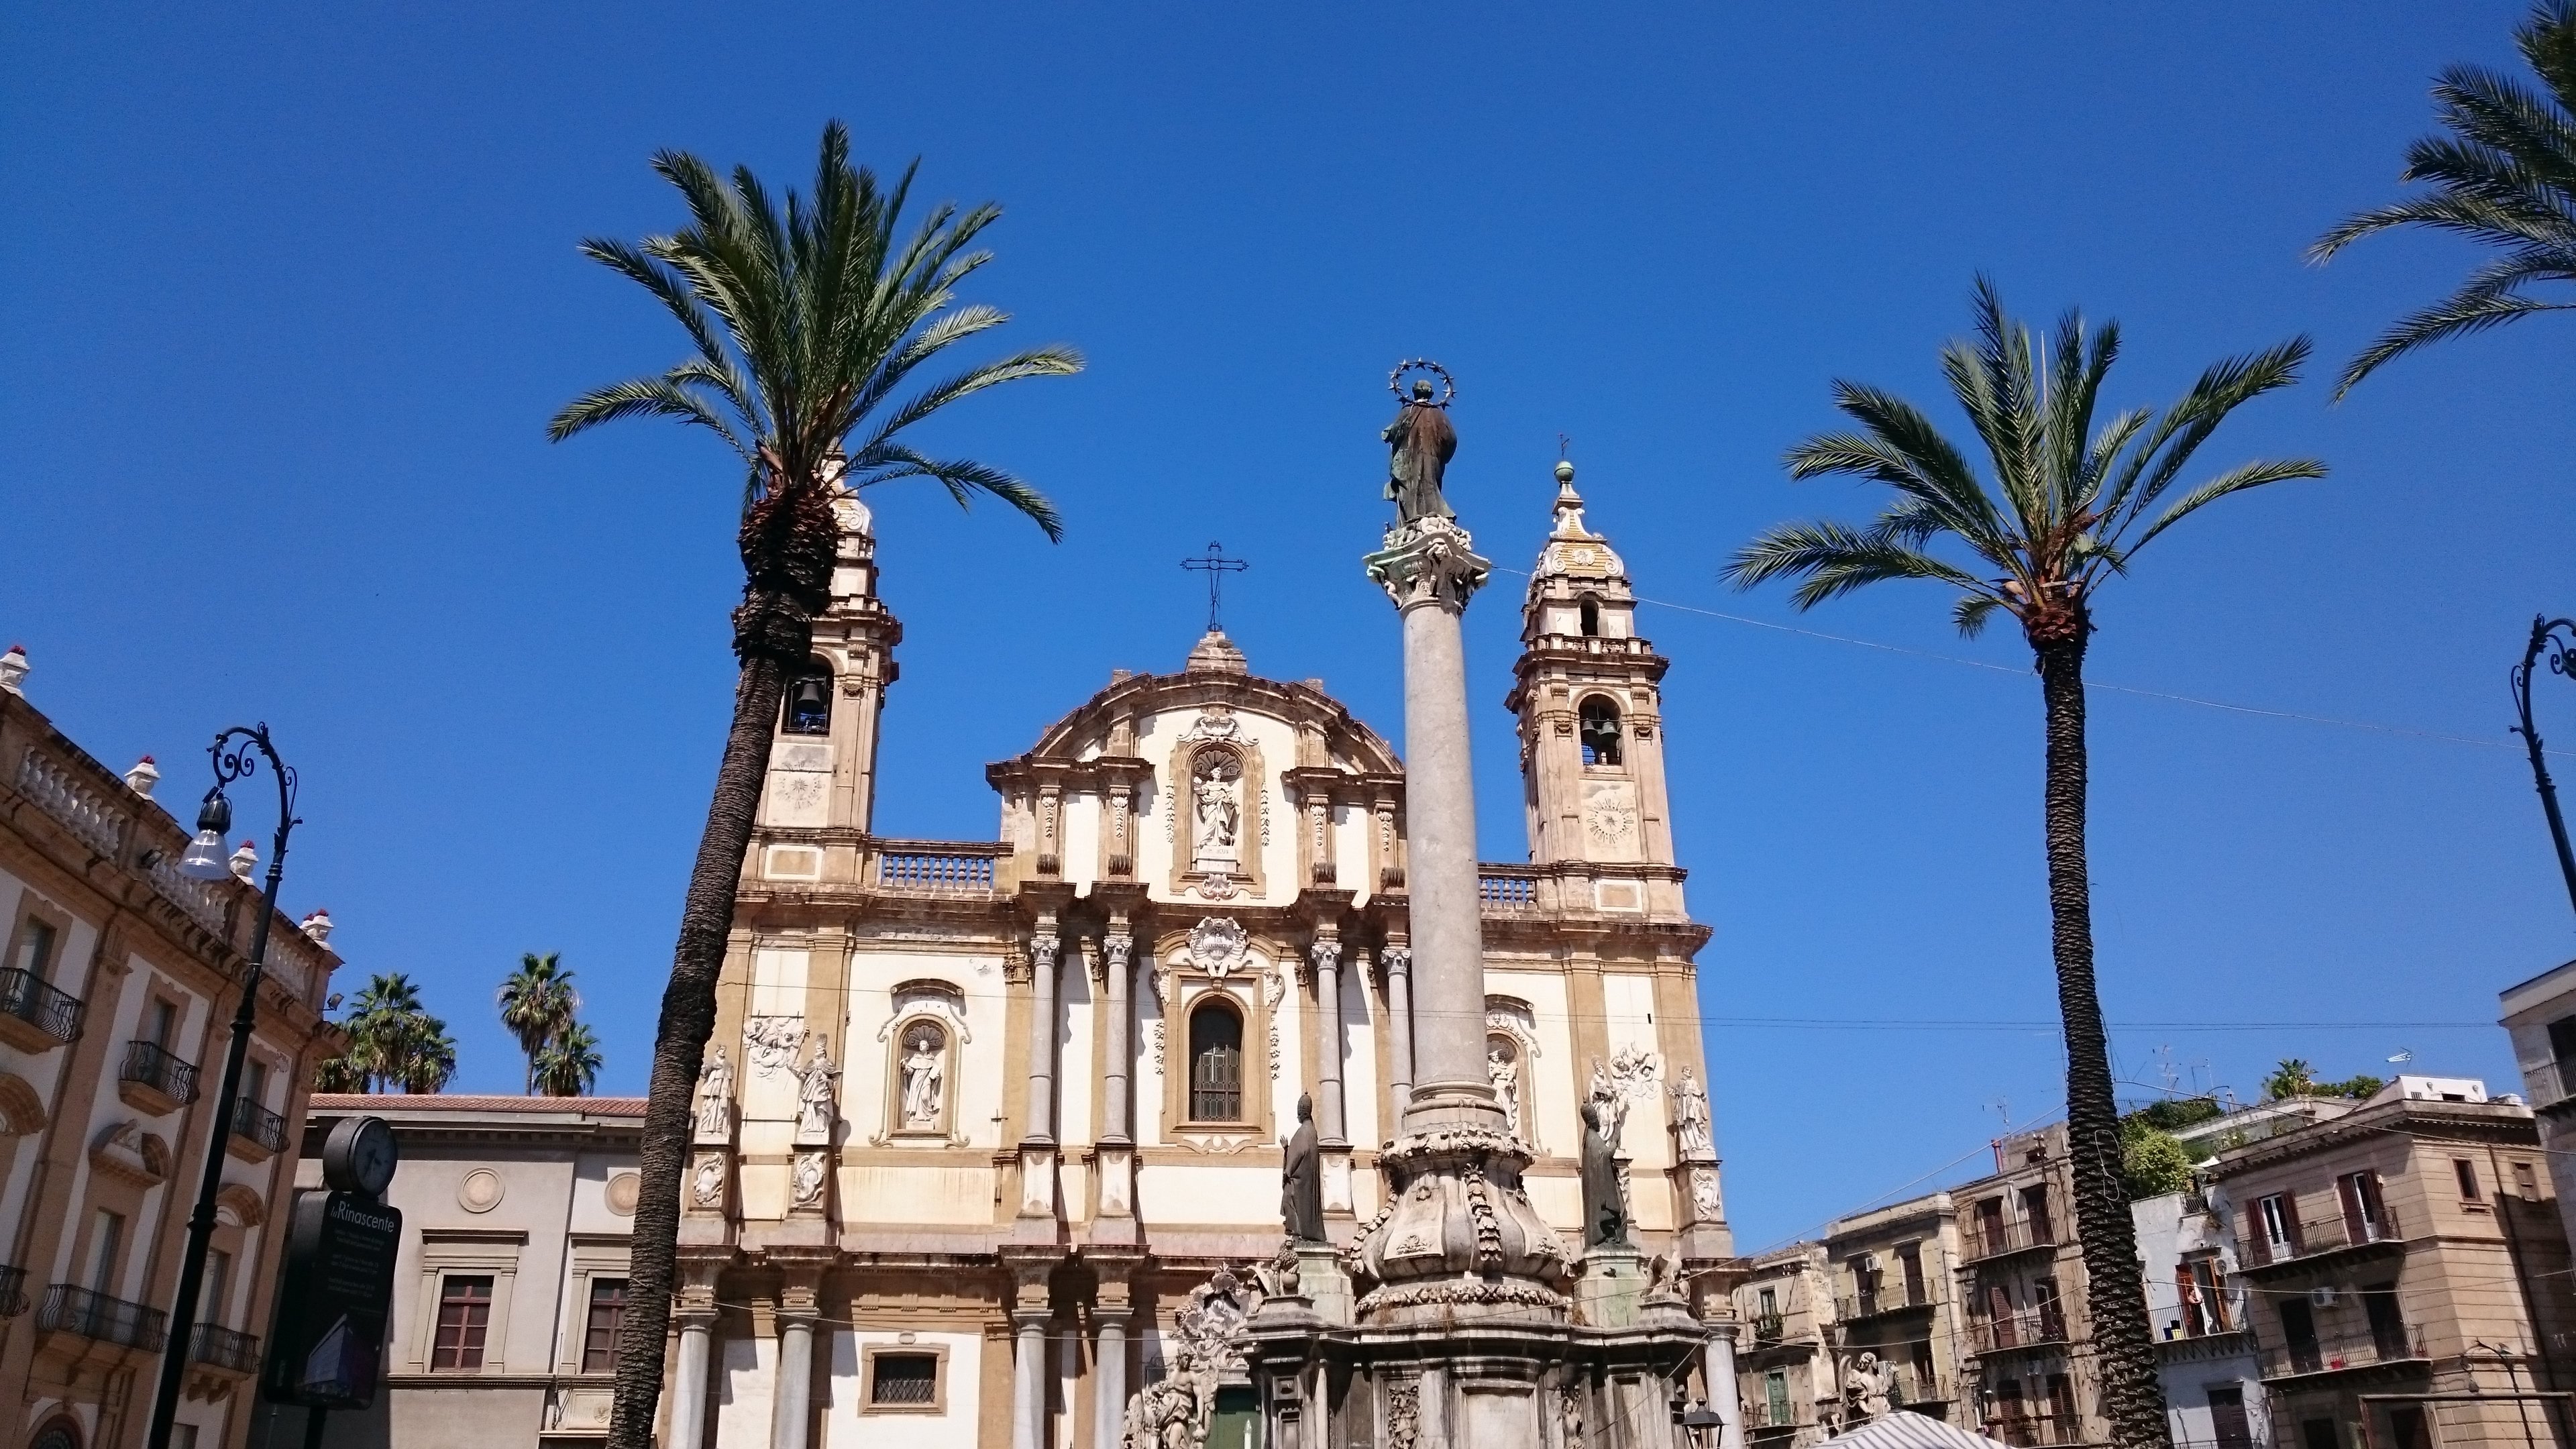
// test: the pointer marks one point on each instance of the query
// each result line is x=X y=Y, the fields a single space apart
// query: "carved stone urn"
x=1458 y=1238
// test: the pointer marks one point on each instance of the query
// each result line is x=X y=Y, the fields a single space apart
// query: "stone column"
x=1042 y=1028
x=1109 y=1387
x=795 y=1407
x=1399 y=1011
x=1719 y=1370
x=689 y=1384
x=1028 y=1378
x=1120 y=1047
x=1328 y=995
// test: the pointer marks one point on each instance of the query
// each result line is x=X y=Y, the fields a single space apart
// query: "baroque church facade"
x=990 y=1135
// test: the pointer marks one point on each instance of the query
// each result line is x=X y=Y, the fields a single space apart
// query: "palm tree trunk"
x=679 y=1042
x=2114 y=1286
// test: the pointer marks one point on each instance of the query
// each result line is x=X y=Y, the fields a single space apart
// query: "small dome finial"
x=1564 y=470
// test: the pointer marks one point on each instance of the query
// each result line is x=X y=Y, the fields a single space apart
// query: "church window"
x=599 y=1330
x=1599 y=731
x=464 y=1316
x=809 y=701
x=903 y=1379
x=1216 y=1063
x=1590 y=617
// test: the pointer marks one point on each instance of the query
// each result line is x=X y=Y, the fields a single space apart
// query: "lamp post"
x=205 y=860
x=2562 y=661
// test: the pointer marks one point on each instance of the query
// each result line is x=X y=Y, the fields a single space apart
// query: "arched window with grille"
x=1598 y=729
x=807 y=709
x=1216 y=1063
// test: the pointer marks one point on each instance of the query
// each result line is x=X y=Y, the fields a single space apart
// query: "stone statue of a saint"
x=1865 y=1389
x=815 y=1113
x=1218 y=818
x=1421 y=443
x=1301 y=1180
x=1506 y=1077
x=715 y=1095
x=924 y=1077
x=1605 y=1209
x=1690 y=1119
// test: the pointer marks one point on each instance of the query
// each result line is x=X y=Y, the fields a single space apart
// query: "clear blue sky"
x=293 y=292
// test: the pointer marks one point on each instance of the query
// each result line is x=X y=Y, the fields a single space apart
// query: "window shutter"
x=2290 y=1223
x=2348 y=1188
x=2257 y=1251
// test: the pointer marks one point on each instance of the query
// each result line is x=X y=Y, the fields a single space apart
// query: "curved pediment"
x=1106 y=723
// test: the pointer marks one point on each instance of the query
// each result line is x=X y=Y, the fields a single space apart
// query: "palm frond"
x=1971 y=612
x=639 y=397
x=1905 y=451
x=2454 y=316
x=964 y=478
x=2234 y=480
x=1834 y=559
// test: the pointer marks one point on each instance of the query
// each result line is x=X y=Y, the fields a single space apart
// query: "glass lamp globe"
x=205 y=859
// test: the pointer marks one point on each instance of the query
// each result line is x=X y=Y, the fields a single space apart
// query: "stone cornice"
x=2497 y=1122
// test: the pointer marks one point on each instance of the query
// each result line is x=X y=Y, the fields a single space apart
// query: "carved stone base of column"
x=1117 y=1162
x=1458 y=1238
x=1610 y=1287
x=1037 y=1180
x=1336 y=1162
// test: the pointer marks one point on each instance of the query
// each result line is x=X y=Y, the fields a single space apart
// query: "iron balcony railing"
x=1767 y=1328
x=1849 y=1307
x=2028 y=1328
x=37 y=1002
x=256 y=1124
x=225 y=1348
x=75 y=1310
x=2317 y=1237
x=2370 y=1347
x=1993 y=1240
x=150 y=1064
x=13 y=1292
x=1761 y=1415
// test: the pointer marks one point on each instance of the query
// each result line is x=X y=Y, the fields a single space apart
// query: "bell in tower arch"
x=809 y=703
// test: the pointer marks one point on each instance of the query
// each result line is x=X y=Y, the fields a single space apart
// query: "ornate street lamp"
x=2562 y=661
x=205 y=860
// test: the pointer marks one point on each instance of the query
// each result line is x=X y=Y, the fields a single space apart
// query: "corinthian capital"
x=1428 y=561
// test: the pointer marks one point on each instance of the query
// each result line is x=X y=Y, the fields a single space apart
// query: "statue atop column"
x=1421 y=442
x=1301 y=1181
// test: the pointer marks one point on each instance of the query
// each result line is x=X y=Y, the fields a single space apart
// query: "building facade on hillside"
x=2407 y=1275
x=116 y=999
x=2540 y=1015
x=980 y=1119
x=1784 y=1304
x=1896 y=1321
x=511 y=1276
x=2205 y=1362
x=2029 y=1329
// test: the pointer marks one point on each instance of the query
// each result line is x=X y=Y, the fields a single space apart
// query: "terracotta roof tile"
x=446 y=1102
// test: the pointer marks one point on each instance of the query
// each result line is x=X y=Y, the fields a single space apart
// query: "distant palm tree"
x=393 y=1042
x=804 y=322
x=2505 y=176
x=567 y=1065
x=538 y=1002
x=2070 y=505
x=2292 y=1078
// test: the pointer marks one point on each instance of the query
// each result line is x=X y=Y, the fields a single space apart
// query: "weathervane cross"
x=1216 y=566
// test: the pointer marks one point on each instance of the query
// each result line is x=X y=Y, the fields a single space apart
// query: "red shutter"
x=2290 y=1223
x=2348 y=1188
x=2257 y=1252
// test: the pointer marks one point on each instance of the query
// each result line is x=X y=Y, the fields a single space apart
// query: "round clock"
x=359 y=1156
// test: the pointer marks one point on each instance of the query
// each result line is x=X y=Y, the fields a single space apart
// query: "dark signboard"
x=327 y=1343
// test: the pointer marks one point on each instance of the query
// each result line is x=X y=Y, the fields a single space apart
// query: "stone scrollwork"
x=928 y=998
x=1218 y=945
x=1177 y=1410
x=1428 y=560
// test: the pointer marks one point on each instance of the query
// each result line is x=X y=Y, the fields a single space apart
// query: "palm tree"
x=567 y=1064
x=804 y=323
x=393 y=1042
x=537 y=1002
x=2292 y=1078
x=2069 y=506
x=2504 y=176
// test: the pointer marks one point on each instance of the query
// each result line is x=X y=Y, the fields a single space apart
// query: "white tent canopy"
x=1901 y=1430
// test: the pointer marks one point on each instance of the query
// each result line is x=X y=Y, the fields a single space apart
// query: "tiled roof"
x=445 y=1102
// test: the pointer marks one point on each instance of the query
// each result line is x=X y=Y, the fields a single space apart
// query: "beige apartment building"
x=116 y=999
x=1896 y=1337
x=2540 y=1016
x=2029 y=1361
x=511 y=1275
x=1785 y=1373
x=2406 y=1273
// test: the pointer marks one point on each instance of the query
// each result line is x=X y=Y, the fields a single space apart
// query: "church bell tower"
x=1588 y=690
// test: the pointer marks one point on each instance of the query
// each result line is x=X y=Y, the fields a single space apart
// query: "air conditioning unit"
x=2322 y=1295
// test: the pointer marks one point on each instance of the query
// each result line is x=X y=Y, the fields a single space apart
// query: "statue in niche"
x=1217 y=809
x=1420 y=443
x=1605 y=1209
x=815 y=1112
x=1690 y=1118
x=925 y=1074
x=1505 y=1074
x=715 y=1095
x=1301 y=1185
